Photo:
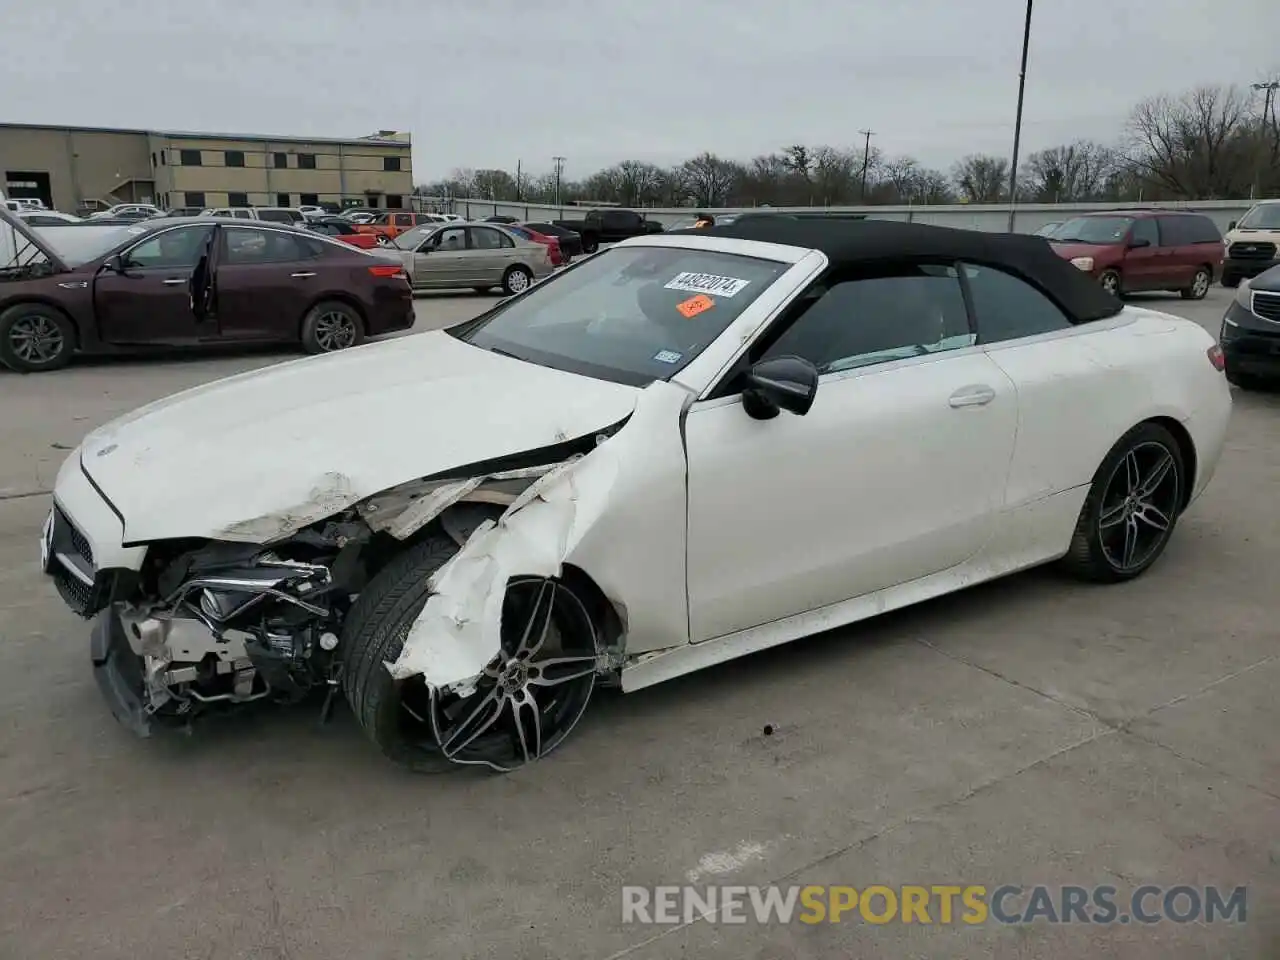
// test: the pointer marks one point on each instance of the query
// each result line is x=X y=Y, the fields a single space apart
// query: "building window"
x=237 y=199
x=153 y=161
x=235 y=158
x=194 y=199
x=306 y=161
x=391 y=164
x=394 y=201
x=282 y=199
x=307 y=200
x=281 y=161
x=189 y=158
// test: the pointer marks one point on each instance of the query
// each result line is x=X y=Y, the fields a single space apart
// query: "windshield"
x=1265 y=216
x=412 y=239
x=77 y=245
x=1048 y=230
x=1101 y=230
x=631 y=315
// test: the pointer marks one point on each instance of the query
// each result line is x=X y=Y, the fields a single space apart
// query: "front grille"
x=1266 y=305
x=75 y=594
x=78 y=540
x=1242 y=250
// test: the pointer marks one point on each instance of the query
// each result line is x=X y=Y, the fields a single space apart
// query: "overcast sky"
x=484 y=83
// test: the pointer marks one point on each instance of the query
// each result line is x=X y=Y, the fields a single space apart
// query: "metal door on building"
x=28 y=185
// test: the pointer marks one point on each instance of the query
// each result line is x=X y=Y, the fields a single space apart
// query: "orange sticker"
x=695 y=305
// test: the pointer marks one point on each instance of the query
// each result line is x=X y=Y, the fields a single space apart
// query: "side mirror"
x=114 y=264
x=782 y=383
x=1231 y=225
x=1138 y=243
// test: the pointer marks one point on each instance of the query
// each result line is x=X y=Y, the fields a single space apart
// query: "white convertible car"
x=686 y=449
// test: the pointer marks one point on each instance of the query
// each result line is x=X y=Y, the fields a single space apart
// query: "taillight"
x=1217 y=358
x=390 y=271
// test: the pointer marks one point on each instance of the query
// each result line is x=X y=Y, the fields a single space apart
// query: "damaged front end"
x=216 y=624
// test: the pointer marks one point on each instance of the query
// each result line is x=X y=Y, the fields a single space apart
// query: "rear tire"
x=1200 y=285
x=516 y=280
x=330 y=326
x=590 y=245
x=1135 y=499
x=36 y=338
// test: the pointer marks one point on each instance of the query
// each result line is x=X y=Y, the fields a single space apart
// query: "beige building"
x=73 y=168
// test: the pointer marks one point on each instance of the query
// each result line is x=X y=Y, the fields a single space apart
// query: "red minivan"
x=1132 y=250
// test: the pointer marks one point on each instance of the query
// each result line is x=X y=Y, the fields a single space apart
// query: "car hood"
x=261 y=455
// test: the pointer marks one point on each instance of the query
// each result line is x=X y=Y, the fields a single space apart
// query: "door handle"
x=974 y=396
x=304 y=273
x=174 y=281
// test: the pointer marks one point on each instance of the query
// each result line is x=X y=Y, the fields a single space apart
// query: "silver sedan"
x=477 y=255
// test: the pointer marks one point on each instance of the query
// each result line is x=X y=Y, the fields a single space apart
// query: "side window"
x=484 y=238
x=171 y=249
x=455 y=239
x=248 y=245
x=1007 y=308
x=404 y=219
x=1145 y=229
x=1200 y=229
x=863 y=319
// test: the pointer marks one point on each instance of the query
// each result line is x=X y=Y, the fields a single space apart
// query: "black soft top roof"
x=851 y=242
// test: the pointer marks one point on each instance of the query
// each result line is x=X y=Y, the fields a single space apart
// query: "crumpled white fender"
x=458 y=631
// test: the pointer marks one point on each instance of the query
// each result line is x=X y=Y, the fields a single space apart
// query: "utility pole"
x=1269 y=128
x=1017 y=123
x=519 y=180
x=866 y=162
x=559 y=162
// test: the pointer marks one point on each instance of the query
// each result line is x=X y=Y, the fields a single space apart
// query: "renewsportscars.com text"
x=942 y=904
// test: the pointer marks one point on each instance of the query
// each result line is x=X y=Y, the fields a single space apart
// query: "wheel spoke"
x=1132 y=472
x=1155 y=476
x=526 y=649
x=528 y=720
x=1130 y=542
x=1113 y=516
x=480 y=719
x=558 y=670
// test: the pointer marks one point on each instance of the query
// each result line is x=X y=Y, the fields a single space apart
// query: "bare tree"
x=982 y=178
x=1200 y=145
x=709 y=179
x=1067 y=173
x=495 y=185
x=835 y=175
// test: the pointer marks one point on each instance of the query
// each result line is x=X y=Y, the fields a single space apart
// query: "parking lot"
x=1030 y=731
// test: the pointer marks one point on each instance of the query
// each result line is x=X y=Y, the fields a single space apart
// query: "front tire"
x=1200 y=284
x=330 y=326
x=1132 y=507
x=1110 y=282
x=525 y=703
x=35 y=338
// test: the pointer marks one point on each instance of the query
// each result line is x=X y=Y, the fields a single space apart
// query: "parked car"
x=1131 y=250
x=359 y=214
x=609 y=226
x=186 y=283
x=477 y=255
x=271 y=214
x=551 y=243
x=185 y=211
x=46 y=218
x=1252 y=243
x=312 y=210
x=391 y=223
x=500 y=218
x=16 y=205
x=1250 y=334
x=570 y=241
x=627 y=474
x=345 y=231
x=1048 y=229
x=128 y=211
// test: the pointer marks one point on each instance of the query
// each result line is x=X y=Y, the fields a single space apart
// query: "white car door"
x=897 y=471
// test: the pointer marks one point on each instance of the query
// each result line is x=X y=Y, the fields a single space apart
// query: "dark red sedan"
x=184 y=282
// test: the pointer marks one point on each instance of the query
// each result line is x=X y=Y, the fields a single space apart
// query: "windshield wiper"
x=505 y=353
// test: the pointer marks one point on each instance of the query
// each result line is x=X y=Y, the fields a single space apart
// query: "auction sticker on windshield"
x=707 y=283
x=695 y=305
